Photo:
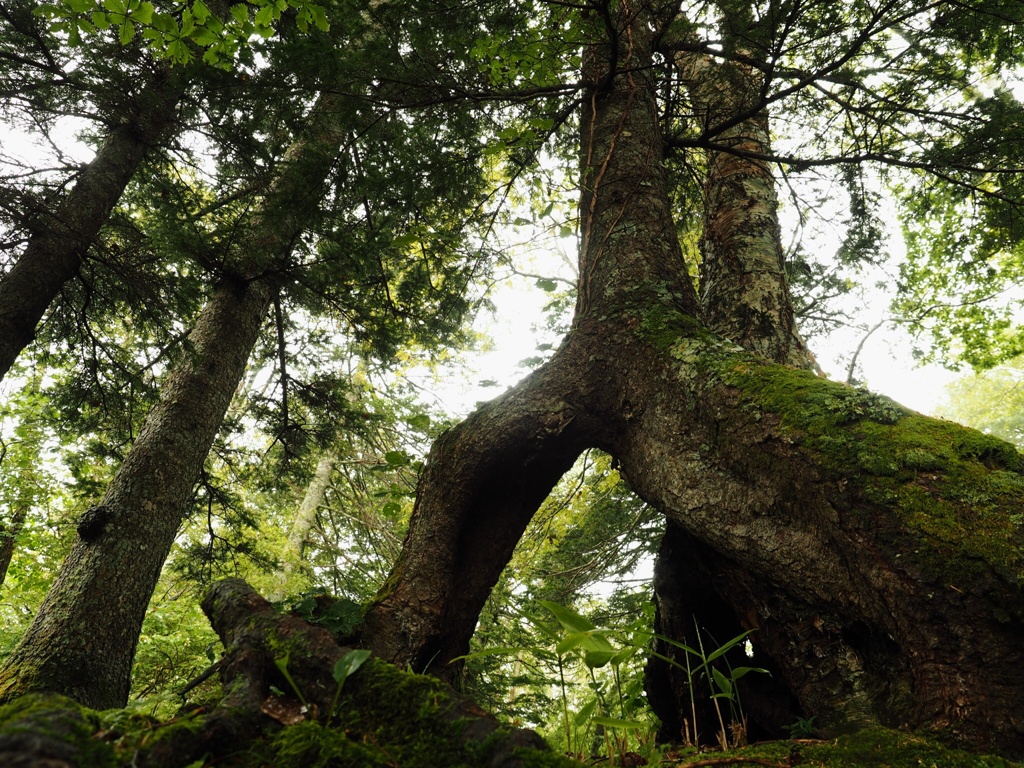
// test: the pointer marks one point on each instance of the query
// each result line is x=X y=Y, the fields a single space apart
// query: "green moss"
x=871 y=748
x=387 y=717
x=952 y=483
x=58 y=728
x=311 y=745
x=134 y=732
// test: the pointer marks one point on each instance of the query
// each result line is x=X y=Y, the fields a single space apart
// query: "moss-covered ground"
x=869 y=748
x=404 y=732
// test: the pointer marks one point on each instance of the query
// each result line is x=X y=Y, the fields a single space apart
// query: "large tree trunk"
x=745 y=298
x=82 y=641
x=874 y=550
x=62 y=235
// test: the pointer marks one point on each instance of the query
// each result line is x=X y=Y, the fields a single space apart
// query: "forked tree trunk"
x=874 y=550
x=82 y=642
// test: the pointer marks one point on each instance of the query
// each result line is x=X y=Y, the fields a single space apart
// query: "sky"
x=515 y=328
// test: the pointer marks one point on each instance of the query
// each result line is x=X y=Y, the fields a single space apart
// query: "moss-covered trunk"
x=877 y=554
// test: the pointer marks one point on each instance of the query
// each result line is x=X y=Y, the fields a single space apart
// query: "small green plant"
x=346 y=666
x=615 y=711
x=697 y=664
x=343 y=669
x=281 y=662
x=803 y=728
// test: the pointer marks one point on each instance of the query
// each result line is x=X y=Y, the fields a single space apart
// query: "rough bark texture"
x=744 y=291
x=874 y=551
x=745 y=298
x=62 y=235
x=82 y=641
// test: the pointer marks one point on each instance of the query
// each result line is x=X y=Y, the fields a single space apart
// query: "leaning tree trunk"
x=875 y=551
x=82 y=641
x=61 y=237
x=9 y=531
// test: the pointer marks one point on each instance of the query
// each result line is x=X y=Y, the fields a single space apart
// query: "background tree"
x=254 y=257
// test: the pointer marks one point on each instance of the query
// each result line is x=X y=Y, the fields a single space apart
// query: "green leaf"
x=200 y=11
x=625 y=655
x=319 y=17
x=726 y=647
x=397 y=458
x=420 y=421
x=349 y=663
x=567 y=617
x=615 y=723
x=723 y=683
x=569 y=643
x=143 y=14
x=598 y=659
x=265 y=16
x=584 y=714
x=739 y=672
x=240 y=12
x=546 y=285
x=127 y=32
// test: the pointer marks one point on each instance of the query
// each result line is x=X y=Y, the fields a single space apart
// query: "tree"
x=871 y=549
x=61 y=220
x=874 y=551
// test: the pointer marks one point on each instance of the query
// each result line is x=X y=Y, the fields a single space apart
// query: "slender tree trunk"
x=9 y=530
x=62 y=236
x=874 y=550
x=82 y=641
x=305 y=517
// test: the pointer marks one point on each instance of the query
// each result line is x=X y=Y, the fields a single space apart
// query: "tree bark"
x=744 y=290
x=82 y=641
x=62 y=236
x=9 y=531
x=745 y=298
x=874 y=550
